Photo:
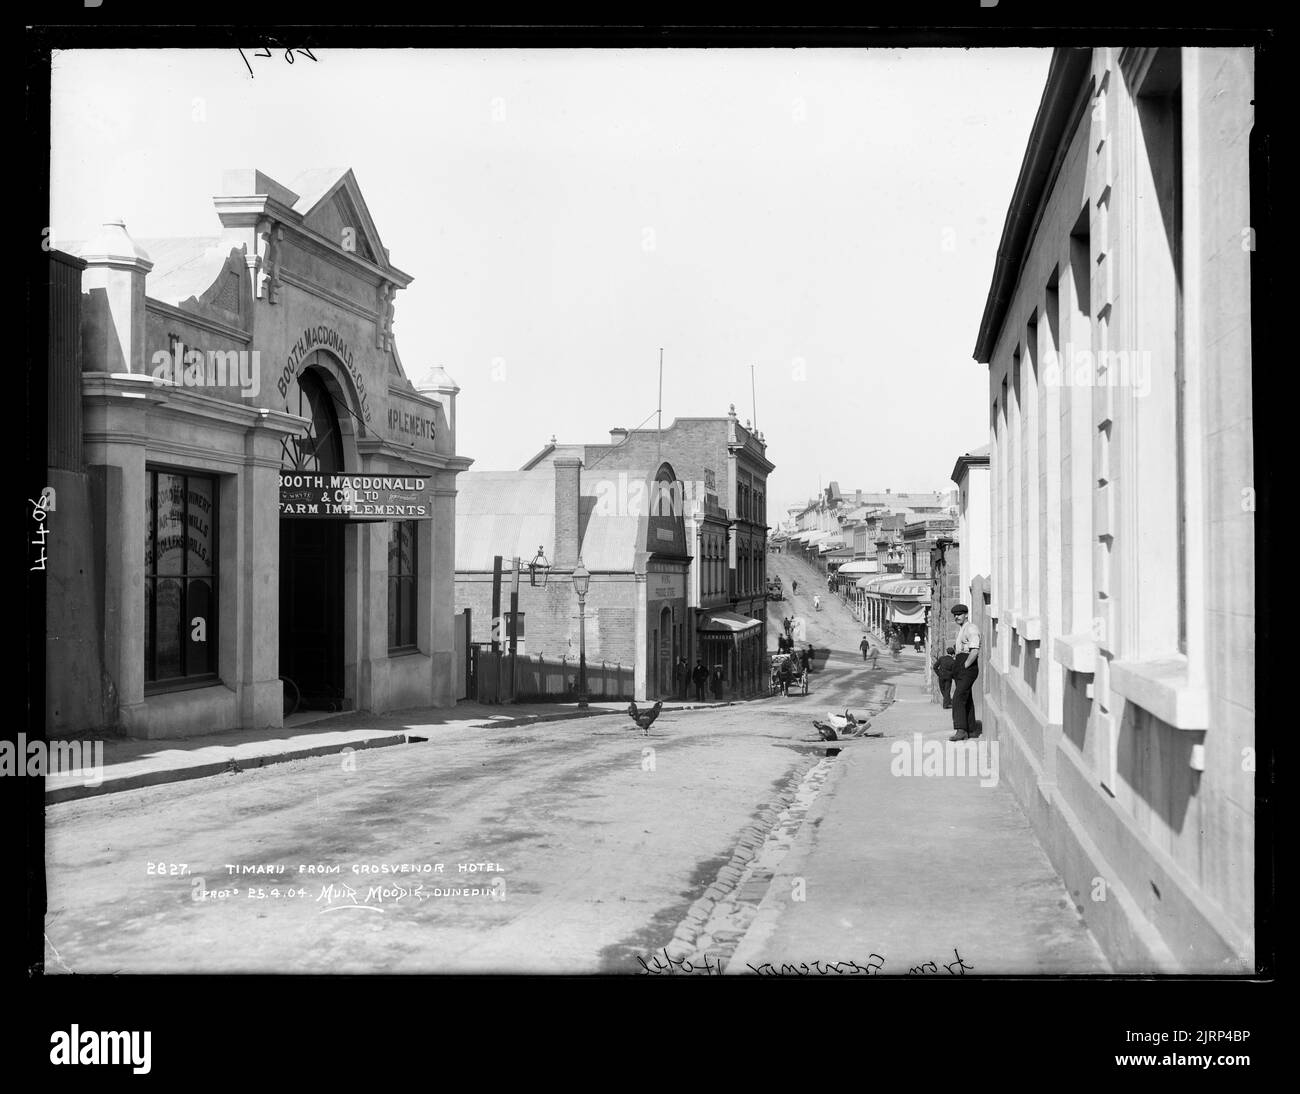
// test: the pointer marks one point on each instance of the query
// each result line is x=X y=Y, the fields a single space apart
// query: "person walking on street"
x=794 y=586
x=864 y=646
x=943 y=669
x=967 y=671
x=875 y=658
x=700 y=677
x=806 y=659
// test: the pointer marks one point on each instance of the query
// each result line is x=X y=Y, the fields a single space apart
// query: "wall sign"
x=323 y=337
x=354 y=497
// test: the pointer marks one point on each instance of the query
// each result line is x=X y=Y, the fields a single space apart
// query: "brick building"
x=628 y=534
x=1119 y=666
x=723 y=468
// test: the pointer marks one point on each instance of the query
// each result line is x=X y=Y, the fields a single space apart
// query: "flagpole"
x=659 y=427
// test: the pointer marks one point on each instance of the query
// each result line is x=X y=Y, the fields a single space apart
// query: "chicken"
x=644 y=718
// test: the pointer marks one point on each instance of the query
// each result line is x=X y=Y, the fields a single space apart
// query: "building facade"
x=1119 y=672
x=628 y=535
x=971 y=474
x=723 y=467
x=266 y=494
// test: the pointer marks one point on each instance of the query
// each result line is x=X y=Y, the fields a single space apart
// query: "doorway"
x=311 y=610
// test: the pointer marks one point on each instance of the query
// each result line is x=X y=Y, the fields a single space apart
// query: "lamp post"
x=581 y=582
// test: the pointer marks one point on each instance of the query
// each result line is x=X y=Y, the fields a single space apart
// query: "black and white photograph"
x=782 y=509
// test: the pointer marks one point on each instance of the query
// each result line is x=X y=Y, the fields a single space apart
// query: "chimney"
x=857 y=497
x=113 y=331
x=617 y=434
x=568 y=483
x=886 y=489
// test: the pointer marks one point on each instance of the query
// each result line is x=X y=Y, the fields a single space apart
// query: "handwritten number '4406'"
x=266 y=52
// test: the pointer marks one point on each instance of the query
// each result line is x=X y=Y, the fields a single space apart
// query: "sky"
x=824 y=219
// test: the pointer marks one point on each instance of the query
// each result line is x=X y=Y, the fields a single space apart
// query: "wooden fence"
x=538 y=679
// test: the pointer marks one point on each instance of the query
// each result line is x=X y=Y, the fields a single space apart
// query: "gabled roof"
x=553 y=452
x=330 y=201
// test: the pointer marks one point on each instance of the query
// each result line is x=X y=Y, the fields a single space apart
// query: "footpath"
x=129 y=763
x=913 y=861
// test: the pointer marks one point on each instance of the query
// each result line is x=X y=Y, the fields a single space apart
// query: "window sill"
x=1161 y=687
x=1029 y=627
x=1077 y=652
x=184 y=683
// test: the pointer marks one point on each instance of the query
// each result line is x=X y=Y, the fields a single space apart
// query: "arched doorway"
x=312 y=557
x=664 y=654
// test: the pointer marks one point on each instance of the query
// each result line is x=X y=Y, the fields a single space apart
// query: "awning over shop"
x=727 y=623
x=906 y=611
x=858 y=567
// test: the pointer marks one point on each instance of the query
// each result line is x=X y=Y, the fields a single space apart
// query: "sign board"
x=355 y=497
x=410 y=422
x=666 y=586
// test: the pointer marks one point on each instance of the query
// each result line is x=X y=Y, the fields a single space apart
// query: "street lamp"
x=538 y=570
x=581 y=582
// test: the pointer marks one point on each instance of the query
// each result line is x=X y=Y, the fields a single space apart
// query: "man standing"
x=700 y=677
x=967 y=671
x=943 y=669
x=681 y=674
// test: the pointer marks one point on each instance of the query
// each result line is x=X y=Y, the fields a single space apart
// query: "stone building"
x=1119 y=670
x=257 y=490
x=971 y=474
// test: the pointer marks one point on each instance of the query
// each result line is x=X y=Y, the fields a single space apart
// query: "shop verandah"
x=886 y=601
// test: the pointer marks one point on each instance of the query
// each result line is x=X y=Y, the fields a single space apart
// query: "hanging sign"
x=355 y=497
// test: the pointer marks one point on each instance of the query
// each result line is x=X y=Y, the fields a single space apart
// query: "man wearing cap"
x=966 y=672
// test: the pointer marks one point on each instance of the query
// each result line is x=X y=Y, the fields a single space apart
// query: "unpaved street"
x=600 y=837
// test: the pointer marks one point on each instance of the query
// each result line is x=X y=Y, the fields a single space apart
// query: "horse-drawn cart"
x=787 y=673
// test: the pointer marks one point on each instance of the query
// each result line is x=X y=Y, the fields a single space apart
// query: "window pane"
x=200 y=606
x=201 y=544
x=148 y=629
x=408 y=547
x=408 y=611
x=393 y=635
x=170 y=500
x=150 y=507
x=168 y=635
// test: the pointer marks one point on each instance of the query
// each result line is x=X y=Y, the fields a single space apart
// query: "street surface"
x=570 y=846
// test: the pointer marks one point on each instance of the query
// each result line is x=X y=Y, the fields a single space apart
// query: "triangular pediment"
x=332 y=206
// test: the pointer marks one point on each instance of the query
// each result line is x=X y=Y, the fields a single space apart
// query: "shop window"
x=402 y=584
x=180 y=578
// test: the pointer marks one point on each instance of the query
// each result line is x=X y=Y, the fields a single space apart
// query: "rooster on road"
x=644 y=718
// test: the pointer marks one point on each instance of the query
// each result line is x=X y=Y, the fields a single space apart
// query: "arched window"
x=321 y=450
